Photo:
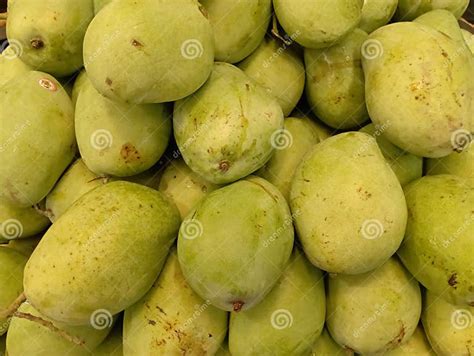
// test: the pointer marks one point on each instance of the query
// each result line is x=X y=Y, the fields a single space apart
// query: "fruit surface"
x=376 y=13
x=18 y=223
x=417 y=344
x=10 y=65
x=326 y=346
x=457 y=163
x=409 y=9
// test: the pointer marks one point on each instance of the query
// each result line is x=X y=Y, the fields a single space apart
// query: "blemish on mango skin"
x=129 y=153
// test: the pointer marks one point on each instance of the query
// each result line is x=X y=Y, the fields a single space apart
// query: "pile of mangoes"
x=236 y=177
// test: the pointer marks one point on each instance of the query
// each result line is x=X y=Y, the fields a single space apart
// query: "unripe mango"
x=18 y=223
x=10 y=65
x=99 y=4
x=409 y=9
x=417 y=345
x=376 y=13
x=80 y=81
x=326 y=346
x=457 y=163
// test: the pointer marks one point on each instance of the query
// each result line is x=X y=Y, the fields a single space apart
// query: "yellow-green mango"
x=348 y=205
x=416 y=86
x=50 y=32
x=409 y=9
x=18 y=223
x=449 y=328
x=112 y=345
x=246 y=230
x=79 y=83
x=335 y=86
x=438 y=243
x=238 y=26
x=376 y=13
x=227 y=129
x=37 y=137
x=457 y=163
x=417 y=345
x=10 y=65
x=184 y=187
x=469 y=39
x=102 y=254
x=298 y=137
x=318 y=23
x=373 y=312
x=326 y=346
x=99 y=4
x=171 y=319
x=25 y=246
x=443 y=21
x=405 y=165
x=27 y=337
x=290 y=318
x=170 y=41
x=120 y=139
x=11 y=279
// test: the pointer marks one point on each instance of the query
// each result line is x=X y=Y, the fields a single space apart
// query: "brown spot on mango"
x=129 y=153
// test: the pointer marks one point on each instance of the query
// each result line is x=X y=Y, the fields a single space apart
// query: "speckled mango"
x=104 y=252
x=376 y=13
x=457 y=163
x=409 y=9
x=417 y=345
x=326 y=346
x=18 y=223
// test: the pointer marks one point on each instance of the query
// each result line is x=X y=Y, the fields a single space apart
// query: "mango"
x=25 y=246
x=299 y=135
x=99 y=4
x=112 y=345
x=469 y=38
x=18 y=223
x=450 y=328
x=171 y=319
x=290 y=318
x=443 y=21
x=10 y=65
x=438 y=242
x=227 y=129
x=373 y=312
x=335 y=82
x=103 y=253
x=417 y=344
x=343 y=173
x=409 y=9
x=405 y=165
x=50 y=33
x=376 y=13
x=171 y=41
x=457 y=163
x=421 y=96
x=80 y=81
x=119 y=139
x=36 y=140
x=238 y=26
x=246 y=230
x=326 y=346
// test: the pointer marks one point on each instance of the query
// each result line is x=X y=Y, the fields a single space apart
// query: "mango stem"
x=276 y=32
x=6 y=313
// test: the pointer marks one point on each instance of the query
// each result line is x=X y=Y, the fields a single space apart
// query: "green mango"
x=112 y=345
x=27 y=337
x=18 y=223
x=227 y=129
x=11 y=280
x=10 y=65
x=103 y=253
x=405 y=165
x=376 y=13
x=184 y=187
x=246 y=230
x=326 y=346
x=335 y=82
x=469 y=39
x=279 y=69
x=50 y=32
x=239 y=26
x=457 y=163
x=299 y=136
x=443 y=21
x=373 y=312
x=449 y=328
x=79 y=83
x=120 y=139
x=417 y=345
x=438 y=243
x=348 y=173
x=318 y=23
x=171 y=319
x=99 y=4
x=25 y=246
x=409 y=9
x=423 y=104
x=223 y=350
x=290 y=318
x=171 y=41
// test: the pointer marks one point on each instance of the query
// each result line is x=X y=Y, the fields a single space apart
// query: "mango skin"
x=409 y=9
x=326 y=346
x=469 y=38
x=172 y=318
x=296 y=306
x=128 y=34
x=335 y=86
x=438 y=244
x=422 y=103
x=120 y=139
x=50 y=32
x=373 y=312
x=123 y=230
x=25 y=246
x=449 y=328
x=224 y=131
x=23 y=222
x=10 y=65
x=112 y=345
x=246 y=229
x=457 y=163
x=99 y=4
x=80 y=81
x=376 y=13
x=417 y=344
x=11 y=278
x=41 y=132
x=27 y=337
x=347 y=172
x=238 y=26
x=443 y=21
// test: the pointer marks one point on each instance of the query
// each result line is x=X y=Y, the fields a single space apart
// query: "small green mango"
x=417 y=345
x=409 y=9
x=228 y=128
x=18 y=223
x=99 y=4
x=376 y=13
x=348 y=173
x=326 y=346
x=246 y=230
x=298 y=137
x=103 y=253
x=373 y=312
x=112 y=345
x=335 y=82
x=10 y=65
x=120 y=139
x=469 y=39
x=239 y=26
x=171 y=41
x=457 y=163
x=438 y=243
x=79 y=83
x=25 y=246
x=36 y=140
x=318 y=23
x=171 y=319
x=50 y=33
x=290 y=318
